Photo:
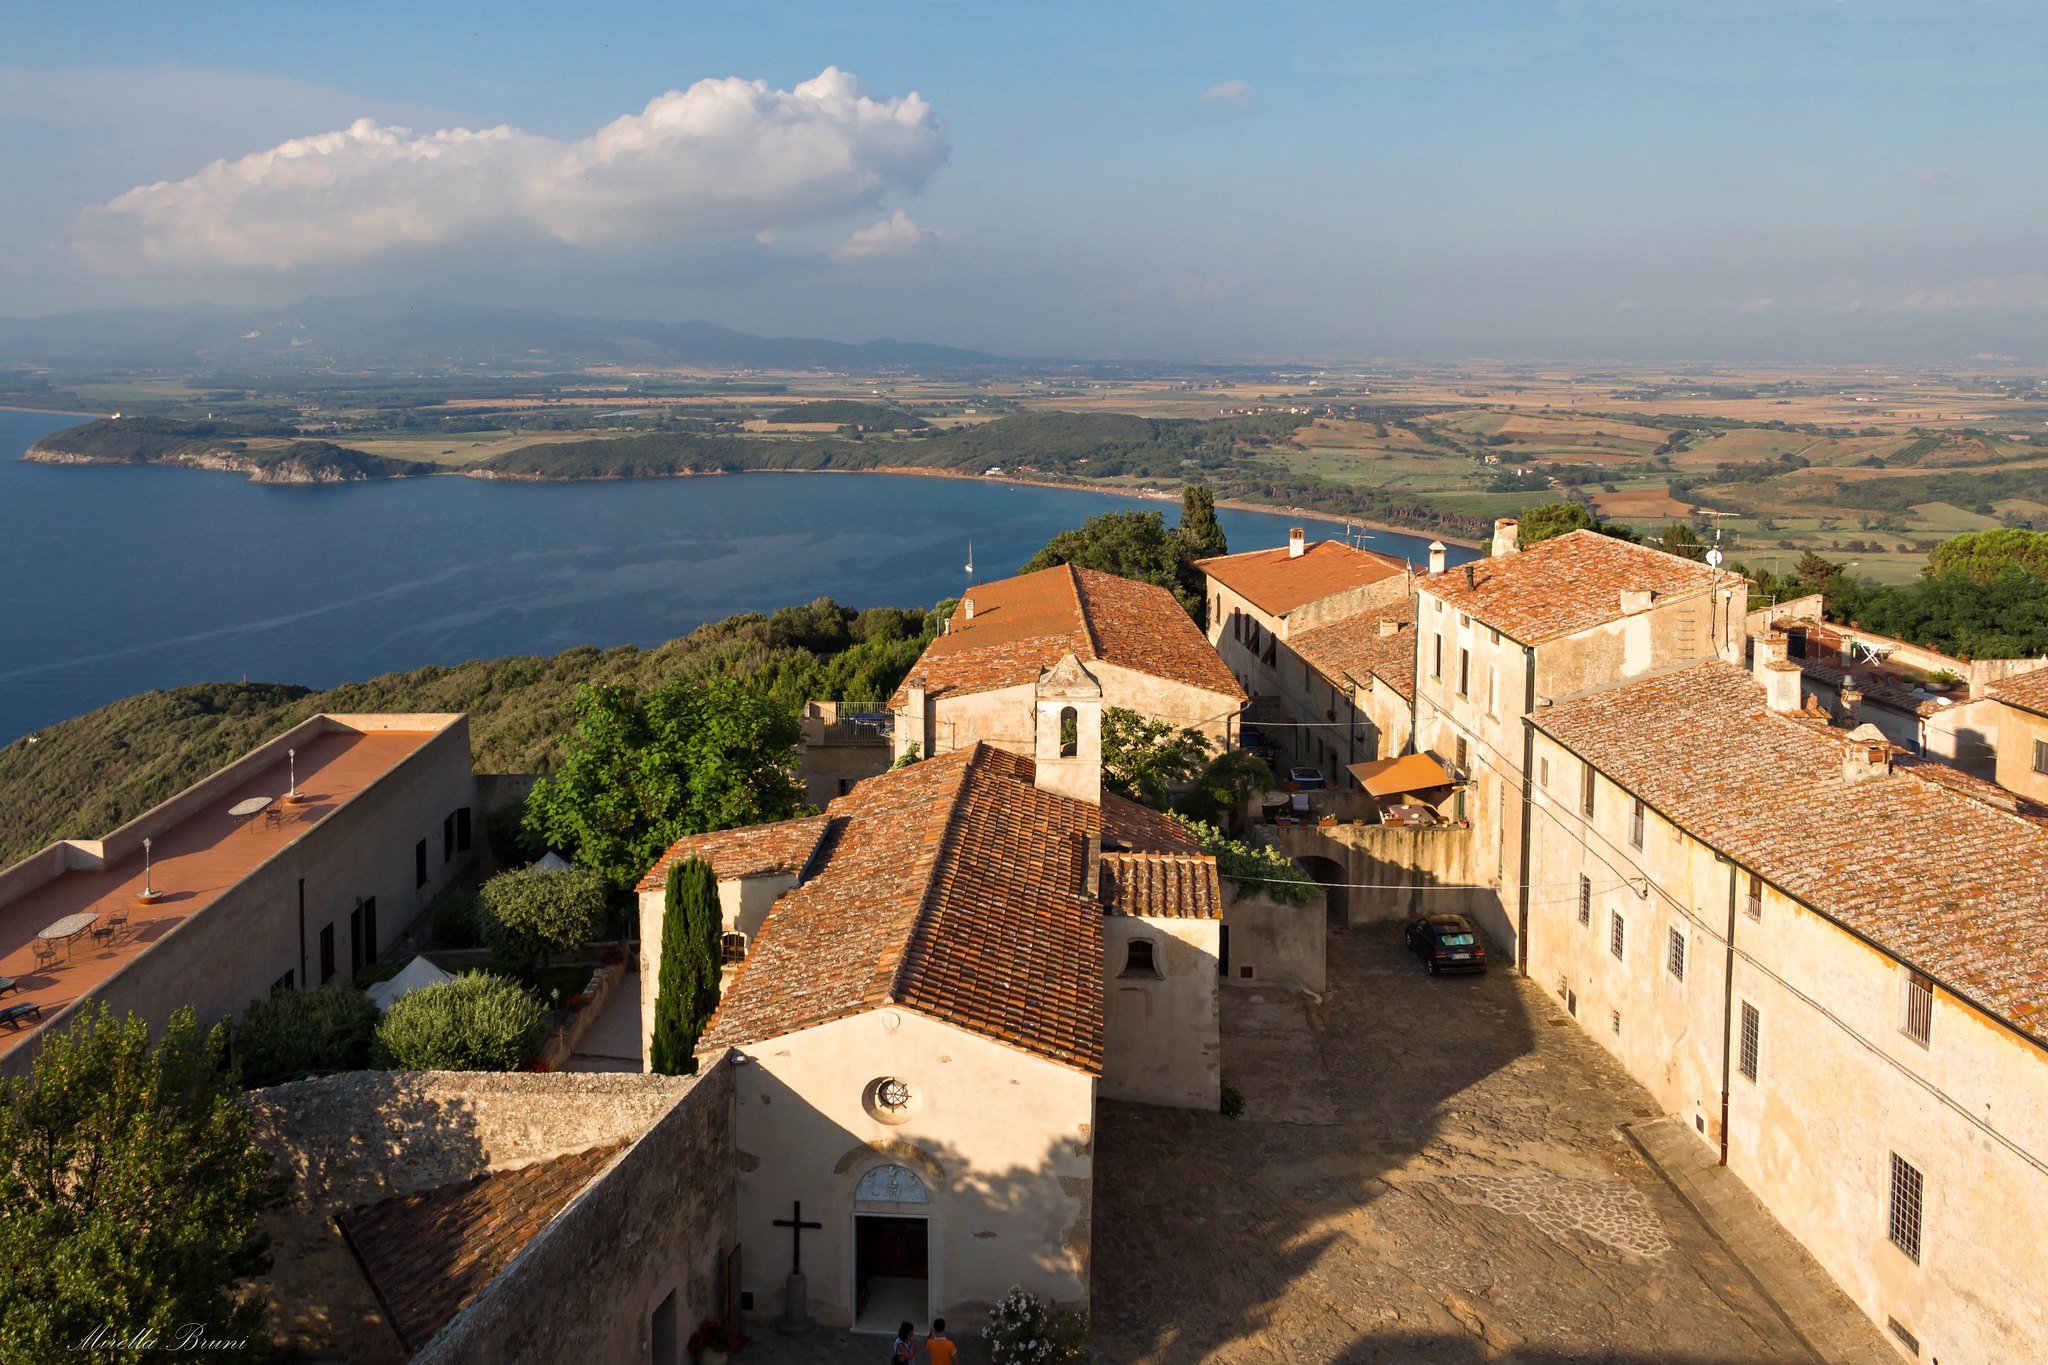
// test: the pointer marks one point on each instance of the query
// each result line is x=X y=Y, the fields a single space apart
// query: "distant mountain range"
x=390 y=333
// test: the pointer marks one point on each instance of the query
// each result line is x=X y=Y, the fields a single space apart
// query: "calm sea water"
x=118 y=580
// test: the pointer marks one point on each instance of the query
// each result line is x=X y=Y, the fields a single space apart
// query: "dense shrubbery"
x=531 y=915
x=458 y=919
x=295 y=1033
x=477 y=1022
x=1257 y=866
x=846 y=412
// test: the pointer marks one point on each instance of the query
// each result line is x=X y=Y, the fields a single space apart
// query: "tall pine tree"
x=691 y=932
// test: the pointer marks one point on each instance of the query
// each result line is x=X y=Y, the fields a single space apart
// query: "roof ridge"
x=1081 y=606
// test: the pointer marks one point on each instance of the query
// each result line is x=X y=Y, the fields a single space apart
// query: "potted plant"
x=713 y=1341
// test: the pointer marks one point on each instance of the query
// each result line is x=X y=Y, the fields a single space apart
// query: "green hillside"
x=84 y=776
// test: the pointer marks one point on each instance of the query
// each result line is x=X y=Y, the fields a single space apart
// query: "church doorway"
x=891 y=1272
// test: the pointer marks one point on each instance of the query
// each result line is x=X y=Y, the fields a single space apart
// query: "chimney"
x=1868 y=754
x=1297 y=542
x=1389 y=628
x=1635 y=600
x=967 y=607
x=1507 y=536
x=1471 y=576
x=1436 y=556
x=916 y=727
x=1851 y=700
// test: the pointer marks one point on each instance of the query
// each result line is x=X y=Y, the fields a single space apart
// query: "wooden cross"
x=796 y=1225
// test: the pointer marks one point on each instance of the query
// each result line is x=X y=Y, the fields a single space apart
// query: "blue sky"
x=1804 y=179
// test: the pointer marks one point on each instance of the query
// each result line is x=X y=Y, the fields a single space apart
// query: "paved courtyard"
x=1427 y=1170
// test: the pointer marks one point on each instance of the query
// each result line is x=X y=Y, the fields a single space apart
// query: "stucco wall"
x=1394 y=873
x=2017 y=732
x=743 y=903
x=659 y=1220
x=1303 y=699
x=231 y=952
x=1004 y=716
x=1002 y=1139
x=1839 y=1085
x=1161 y=1034
x=1272 y=941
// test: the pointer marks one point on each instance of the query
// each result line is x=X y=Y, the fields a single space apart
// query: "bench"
x=14 y=1014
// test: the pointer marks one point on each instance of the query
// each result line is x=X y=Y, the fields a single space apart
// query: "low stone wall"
x=660 y=1220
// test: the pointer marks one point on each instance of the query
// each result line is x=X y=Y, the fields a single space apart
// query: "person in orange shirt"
x=938 y=1348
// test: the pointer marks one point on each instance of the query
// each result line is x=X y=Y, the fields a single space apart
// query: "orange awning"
x=1408 y=773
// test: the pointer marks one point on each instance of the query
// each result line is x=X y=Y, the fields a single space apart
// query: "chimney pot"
x=1782 y=690
x=967 y=607
x=1436 y=556
x=1507 y=536
x=1863 y=759
x=1389 y=628
x=1471 y=576
x=1297 y=542
x=1851 y=699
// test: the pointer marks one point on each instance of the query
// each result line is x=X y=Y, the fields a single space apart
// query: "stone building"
x=976 y=682
x=2021 y=730
x=1829 y=959
x=840 y=749
x=1260 y=600
x=1498 y=638
x=294 y=866
x=956 y=959
x=1367 y=663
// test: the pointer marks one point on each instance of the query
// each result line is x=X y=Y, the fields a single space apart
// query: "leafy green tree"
x=1815 y=574
x=1131 y=545
x=1555 y=519
x=477 y=1022
x=1259 y=867
x=1220 y=789
x=1199 y=529
x=531 y=915
x=130 y=1192
x=1147 y=760
x=1984 y=555
x=691 y=941
x=645 y=770
x=293 y=1033
x=1679 y=539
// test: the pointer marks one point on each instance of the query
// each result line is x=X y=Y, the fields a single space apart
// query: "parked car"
x=1308 y=779
x=1447 y=943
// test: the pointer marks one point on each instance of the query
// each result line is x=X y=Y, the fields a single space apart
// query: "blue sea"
x=114 y=581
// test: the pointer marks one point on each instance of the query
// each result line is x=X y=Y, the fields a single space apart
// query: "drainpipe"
x=1728 y=1007
x=1528 y=810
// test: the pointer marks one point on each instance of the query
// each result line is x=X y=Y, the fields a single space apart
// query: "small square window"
x=1751 y=1029
x=1674 y=957
x=1908 y=1186
x=1617 y=933
x=1138 y=960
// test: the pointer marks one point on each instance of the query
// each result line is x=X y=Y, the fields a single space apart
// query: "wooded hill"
x=89 y=774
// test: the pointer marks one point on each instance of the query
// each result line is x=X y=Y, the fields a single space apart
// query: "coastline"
x=35 y=455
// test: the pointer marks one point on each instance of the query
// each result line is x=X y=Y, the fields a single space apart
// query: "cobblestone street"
x=1428 y=1170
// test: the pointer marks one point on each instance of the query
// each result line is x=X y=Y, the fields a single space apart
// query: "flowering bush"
x=1025 y=1330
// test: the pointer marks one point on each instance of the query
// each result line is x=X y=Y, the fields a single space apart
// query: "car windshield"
x=1454 y=940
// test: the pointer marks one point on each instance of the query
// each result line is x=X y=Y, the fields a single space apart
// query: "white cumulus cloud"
x=893 y=237
x=1233 y=94
x=723 y=158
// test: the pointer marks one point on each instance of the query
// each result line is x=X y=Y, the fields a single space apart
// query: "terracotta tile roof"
x=756 y=851
x=1354 y=647
x=428 y=1254
x=1565 y=584
x=1276 y=582
x=952 y=888
x=1914 y=861
x=1161 y=885
x=2028 y=691
x=1878 y=688
x=1023 y=625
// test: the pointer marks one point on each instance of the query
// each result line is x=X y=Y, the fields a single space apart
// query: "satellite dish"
x=1713 y=559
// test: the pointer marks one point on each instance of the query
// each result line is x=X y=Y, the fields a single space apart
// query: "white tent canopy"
x=414 y=975
x=552 y=861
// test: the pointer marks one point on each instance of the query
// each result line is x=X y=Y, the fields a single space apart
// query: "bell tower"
x=1067 y=744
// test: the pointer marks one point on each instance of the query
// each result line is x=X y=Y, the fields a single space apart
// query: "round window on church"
x=889 y=1099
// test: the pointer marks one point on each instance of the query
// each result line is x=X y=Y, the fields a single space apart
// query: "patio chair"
x=46 y=954
x=273 y=815
x=118 y=920
x=103 y=933
x=14 y=1014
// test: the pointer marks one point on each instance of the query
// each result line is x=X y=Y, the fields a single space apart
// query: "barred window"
x=1585 y=901
x=1674 y=957
x=733 y=948
x=1754 y=908
x=1617 y=931
x=1750 y=1026
x=1919 y=1021
x=1904 y=1221
x=1464 y=753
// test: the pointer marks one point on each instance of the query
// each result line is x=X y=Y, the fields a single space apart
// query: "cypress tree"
x=691 y=927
